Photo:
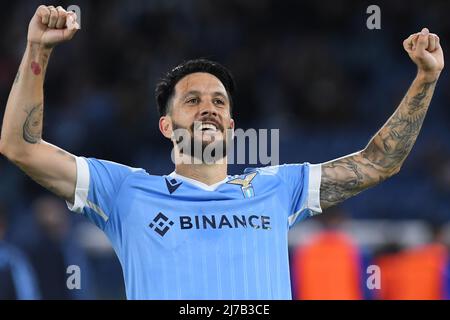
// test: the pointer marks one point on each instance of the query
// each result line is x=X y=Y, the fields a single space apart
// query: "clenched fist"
x=426 y=52
x=50 y=26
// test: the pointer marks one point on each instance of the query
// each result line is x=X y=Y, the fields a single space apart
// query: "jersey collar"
x=197 y=183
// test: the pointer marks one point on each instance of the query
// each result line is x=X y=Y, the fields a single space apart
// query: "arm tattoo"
x=346 y=177
x=392 y=144
x=383 y=156
x=36 y=68
x=32 y=127
x=39 y=63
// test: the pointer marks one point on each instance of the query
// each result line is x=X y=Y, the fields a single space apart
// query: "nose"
x=208 y=109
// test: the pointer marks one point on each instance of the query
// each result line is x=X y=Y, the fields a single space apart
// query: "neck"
x=208 y=174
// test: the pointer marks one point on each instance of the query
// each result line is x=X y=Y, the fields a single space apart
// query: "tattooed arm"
x=21 y=137
x=387 y=150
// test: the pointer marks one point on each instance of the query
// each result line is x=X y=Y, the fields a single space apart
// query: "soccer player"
x=199 y=233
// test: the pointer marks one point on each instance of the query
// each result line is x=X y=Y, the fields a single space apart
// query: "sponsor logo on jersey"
x=161 y=224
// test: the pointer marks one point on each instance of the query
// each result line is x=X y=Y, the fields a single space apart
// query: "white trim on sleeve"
x=312 y=203
x=82 y=186
x=315 y=177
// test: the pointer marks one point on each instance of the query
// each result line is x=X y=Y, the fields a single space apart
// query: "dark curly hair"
x=166 y=86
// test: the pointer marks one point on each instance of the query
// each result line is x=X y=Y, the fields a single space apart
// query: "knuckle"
x=61 y=10
x=43 y=10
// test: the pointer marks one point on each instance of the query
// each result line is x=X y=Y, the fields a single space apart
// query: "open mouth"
x=207 y=127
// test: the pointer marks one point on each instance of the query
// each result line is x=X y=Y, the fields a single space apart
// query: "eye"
x=219 y=101
x=193 y=100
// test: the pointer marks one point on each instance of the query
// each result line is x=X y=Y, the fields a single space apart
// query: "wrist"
x=39 y=47
x=37 y=56
x=428 y=76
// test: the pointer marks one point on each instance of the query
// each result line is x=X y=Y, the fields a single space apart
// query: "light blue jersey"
x=177 y=238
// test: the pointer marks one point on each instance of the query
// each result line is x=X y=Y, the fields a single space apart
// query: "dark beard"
x=216 y=150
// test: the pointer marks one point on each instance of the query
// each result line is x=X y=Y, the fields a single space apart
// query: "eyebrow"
x=198 y=93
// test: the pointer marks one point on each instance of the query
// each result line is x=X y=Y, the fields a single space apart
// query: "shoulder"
x=109 y=165
x=278 y=170
x=92 y=169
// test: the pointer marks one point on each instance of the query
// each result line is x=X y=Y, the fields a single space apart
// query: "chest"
x=175 y=221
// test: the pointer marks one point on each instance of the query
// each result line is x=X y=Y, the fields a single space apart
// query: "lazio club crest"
x=246 y=184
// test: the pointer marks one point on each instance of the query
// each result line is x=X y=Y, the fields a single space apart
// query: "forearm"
x=388 y=149
x=384 y=155
x=21 y=137
x=22 y=122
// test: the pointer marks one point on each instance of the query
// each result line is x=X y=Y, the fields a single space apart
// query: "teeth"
x=207 y=126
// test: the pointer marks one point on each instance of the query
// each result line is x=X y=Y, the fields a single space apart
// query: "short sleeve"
x=303 y=183
x=97 y=187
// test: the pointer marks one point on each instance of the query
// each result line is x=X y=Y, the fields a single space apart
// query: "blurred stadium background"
x=310 y=68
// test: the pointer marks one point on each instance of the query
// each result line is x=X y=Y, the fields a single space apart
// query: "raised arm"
x=21 y=137
x=388 y=149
